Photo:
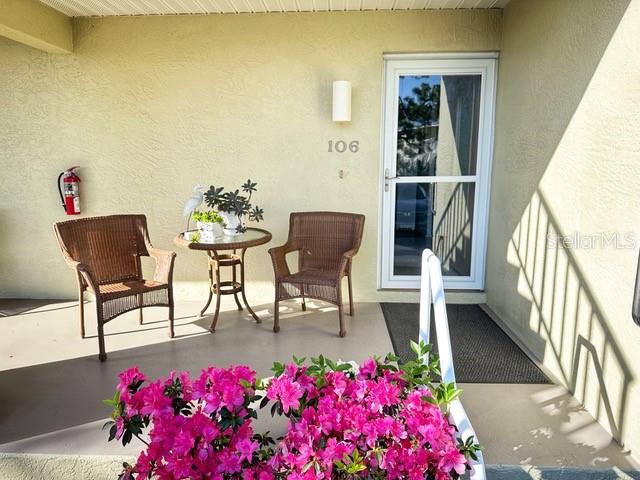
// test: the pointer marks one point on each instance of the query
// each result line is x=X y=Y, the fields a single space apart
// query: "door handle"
x=386 y=179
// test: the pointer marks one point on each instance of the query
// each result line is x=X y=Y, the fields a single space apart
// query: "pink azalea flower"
x=453 y=460
x=246 y=448
x=288 y=392
x=155 y=402
x=119 y=427
x=393 y=428
x=368 y=368
x=127 y=378
x=229 y=462
x=266 y=475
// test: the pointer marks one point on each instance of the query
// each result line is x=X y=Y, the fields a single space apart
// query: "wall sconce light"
x=341 y=101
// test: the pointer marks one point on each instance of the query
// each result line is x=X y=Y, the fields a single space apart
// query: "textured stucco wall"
x=150 y=106
x=37 y=25
x=567 y=162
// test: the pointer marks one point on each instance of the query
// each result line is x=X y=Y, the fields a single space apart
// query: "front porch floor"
x=53 y=384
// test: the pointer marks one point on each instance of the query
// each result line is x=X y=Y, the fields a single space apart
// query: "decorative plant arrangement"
x=209 y=225
x=379 y=420
x=233 y=206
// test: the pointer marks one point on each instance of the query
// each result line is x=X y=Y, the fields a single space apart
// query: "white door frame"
x=395 y=65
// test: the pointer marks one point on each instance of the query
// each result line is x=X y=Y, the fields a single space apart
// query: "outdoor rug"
x=482 y=352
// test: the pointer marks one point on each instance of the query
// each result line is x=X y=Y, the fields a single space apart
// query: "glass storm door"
x=437 y=148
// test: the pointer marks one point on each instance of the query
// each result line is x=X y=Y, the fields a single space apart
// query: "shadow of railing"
x=452 y=235
x=565 y=313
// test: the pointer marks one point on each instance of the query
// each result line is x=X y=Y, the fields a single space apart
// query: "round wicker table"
x=224 y=253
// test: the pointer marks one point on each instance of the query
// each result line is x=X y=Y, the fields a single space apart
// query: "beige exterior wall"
x=149 y=107
x=567 y=161
x=37 y=25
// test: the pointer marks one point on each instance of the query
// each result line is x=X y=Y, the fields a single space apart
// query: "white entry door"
x=437 y=150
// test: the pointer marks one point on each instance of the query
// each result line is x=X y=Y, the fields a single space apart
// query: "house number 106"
x=341 y=146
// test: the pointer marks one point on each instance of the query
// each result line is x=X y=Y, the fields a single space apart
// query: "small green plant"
x=208 y=216
x=195 y=237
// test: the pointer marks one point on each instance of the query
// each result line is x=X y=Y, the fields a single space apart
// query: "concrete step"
x=530 y=472
x=18 y=466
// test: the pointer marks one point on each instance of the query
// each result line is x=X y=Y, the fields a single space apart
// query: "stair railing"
x=432 y=293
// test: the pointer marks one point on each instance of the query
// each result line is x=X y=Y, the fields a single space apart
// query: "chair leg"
x=350 y=295
x=343 y=331
x=81 y=307
x=276 y=316
x=171 y=331
x=103 y=354
x=140 y=318
x=304 y=305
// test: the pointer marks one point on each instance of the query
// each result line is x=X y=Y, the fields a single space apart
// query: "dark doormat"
x=482 y=352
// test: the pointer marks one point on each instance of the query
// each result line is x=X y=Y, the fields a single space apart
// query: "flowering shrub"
x=376 y=421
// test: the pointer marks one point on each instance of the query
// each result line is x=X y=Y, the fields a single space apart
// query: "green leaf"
x=391 y=357
x=277 y=369
x=430 y=399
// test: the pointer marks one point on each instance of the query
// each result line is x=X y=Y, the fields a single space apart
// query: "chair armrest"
x=279 y=259
x=344 y=263
x=86 y=274
x=164 y=264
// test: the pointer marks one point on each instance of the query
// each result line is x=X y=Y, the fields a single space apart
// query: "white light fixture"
x=341 y=101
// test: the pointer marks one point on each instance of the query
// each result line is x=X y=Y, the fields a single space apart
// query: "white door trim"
x=395 y=65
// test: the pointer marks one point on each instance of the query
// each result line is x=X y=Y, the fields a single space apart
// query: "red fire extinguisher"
x=69 y=191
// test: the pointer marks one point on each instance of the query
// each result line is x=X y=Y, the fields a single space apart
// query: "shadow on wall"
x=537 y=99
x=565 y=312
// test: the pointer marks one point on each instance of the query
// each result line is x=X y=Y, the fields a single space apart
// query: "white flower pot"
x=209 y=231
x=189 y=235
x=231 y=224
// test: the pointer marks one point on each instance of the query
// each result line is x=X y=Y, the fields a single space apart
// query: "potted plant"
x=209 y=225
x=233 y=206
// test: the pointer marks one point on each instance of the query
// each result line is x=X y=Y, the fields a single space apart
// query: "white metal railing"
x=432 y=292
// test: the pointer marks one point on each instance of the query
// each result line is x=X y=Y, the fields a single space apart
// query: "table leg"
x=212 y=328
x=235 y=294
x=244 y=298
x=210 y=288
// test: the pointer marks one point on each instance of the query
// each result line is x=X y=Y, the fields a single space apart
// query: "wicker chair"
x=326 y=243
x=105 y=253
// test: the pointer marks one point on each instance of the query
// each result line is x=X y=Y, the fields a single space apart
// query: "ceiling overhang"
x=101 y=8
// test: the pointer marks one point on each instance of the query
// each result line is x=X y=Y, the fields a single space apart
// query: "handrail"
x=432 y=292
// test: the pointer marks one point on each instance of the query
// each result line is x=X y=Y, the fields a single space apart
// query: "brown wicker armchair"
x=105 y=253
x=326 y=243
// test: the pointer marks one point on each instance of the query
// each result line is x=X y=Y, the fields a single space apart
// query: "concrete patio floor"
x=53 y=384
